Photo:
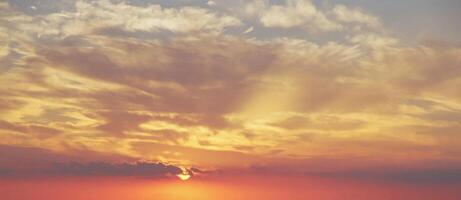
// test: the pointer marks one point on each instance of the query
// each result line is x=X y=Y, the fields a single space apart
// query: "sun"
x=183 y=176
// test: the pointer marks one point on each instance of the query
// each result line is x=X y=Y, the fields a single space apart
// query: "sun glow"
x=183 y=176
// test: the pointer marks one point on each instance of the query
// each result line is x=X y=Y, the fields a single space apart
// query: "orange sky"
x=245 y=89
x=226 y=188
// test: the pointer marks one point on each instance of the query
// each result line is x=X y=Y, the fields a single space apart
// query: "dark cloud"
x=414 y=176
x=73 y=168
x=23 y=157
x=25 y=162
x=142 y=169
x=422 y=172
x=13 y=157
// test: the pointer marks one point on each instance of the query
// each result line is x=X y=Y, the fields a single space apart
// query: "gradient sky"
x=288 y=89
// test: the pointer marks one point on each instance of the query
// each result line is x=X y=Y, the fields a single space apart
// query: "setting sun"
x=183 y=177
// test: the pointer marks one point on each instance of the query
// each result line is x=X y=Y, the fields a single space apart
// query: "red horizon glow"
x=225 y=188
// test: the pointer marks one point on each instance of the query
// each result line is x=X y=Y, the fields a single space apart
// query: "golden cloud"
x=78 y=88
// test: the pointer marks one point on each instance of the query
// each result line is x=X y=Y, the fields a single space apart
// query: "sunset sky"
x=246 y=99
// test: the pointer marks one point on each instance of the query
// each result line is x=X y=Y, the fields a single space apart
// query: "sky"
x=357 y=97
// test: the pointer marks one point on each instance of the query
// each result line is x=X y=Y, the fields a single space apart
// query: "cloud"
x=249 y=30
x=296 y=13
x=375 y=41
x=35 y=159
x=322 y=122
x=304 y=14
x=73 y=168
x=142 y=169
x=212 y=76
x=210 y=3
x=422 y=176
x=218 y=91
x=7 y=104
x=348 y=15
x=160 y=96
x=203 y=158
x=28 y=162
x=39 y=131
x=4 y=5
x=118 y=122
x=94 y=17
